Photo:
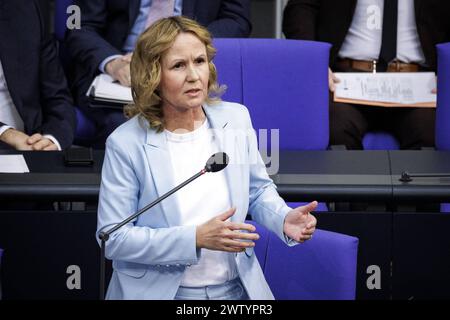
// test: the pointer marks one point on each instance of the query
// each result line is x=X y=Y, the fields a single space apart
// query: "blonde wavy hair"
x=146 y=67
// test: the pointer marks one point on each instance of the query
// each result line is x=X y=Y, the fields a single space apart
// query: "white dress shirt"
x=8 y=111
x=363 y=40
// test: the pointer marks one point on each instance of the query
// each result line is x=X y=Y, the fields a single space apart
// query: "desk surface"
x=302 y=176
x=334 y=175
x=423 y=188
x=49 y=178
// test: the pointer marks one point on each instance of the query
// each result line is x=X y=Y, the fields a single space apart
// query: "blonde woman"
x=195 y=244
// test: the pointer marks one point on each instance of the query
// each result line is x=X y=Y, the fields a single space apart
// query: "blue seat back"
x=228 y=63
x=443 y=98
x=284 y=86
x=323 y=268
x=380 y=140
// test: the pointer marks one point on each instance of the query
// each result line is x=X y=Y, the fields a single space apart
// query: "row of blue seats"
x=284 y=83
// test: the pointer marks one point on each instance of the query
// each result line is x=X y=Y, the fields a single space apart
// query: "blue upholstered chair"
x=86 y=129
x=284 y=85
x=443 y=103
x=380 y=140
x=323 y=268
x=443 y=98
x=229 y=67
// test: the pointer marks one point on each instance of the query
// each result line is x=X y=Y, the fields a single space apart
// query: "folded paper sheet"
x=13 y=163
x=387 y=89
x=104 y=88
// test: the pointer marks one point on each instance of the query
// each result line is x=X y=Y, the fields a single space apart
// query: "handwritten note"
x=402 y=88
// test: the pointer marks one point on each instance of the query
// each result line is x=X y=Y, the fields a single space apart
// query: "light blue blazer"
x=150 y=255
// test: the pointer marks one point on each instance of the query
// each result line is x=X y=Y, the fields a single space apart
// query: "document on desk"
x=387 y=89
x=105 y=89
x=13 y=163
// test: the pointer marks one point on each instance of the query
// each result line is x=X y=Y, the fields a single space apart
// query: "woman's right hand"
x=222 y=235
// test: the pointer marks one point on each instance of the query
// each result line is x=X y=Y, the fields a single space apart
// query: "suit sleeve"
x=233 y=20
x=300 y=18
x=58 y=112
x=88 y=45
x=118 y=200
x=265 y=204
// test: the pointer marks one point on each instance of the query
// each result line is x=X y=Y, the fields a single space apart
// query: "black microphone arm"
x=406 y=176
x=215 y=163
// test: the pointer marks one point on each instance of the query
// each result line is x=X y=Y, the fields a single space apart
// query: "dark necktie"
x=389 y=35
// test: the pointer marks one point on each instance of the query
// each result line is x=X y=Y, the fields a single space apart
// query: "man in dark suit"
x=109 y=31
x=36 y=109
x=366 y=34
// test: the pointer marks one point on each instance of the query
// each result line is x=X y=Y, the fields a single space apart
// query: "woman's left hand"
x=299 y=223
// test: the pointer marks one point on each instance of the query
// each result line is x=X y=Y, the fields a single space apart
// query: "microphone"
x=215 y=163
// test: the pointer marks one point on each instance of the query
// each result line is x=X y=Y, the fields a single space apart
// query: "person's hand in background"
x=16 y=139
x=119 y=69
x=127 y=57
x=41 y=143
x=332 y=80
x=435 y=89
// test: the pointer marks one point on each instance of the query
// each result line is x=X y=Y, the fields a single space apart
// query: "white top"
x=200 y=201
x=363 y=40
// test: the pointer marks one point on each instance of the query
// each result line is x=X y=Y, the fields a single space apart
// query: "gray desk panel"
x=423 y=188
x=329 y=187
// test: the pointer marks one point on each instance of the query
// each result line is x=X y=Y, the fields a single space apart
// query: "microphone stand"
x=406 y=176
x=215 y=163
x=104 y=235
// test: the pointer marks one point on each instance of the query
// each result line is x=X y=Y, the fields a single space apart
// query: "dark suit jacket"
x=329 y=21
x=105 y=25
x=33 y=72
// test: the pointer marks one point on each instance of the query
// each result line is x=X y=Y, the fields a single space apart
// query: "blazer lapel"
x=158 y=158
x=227 y=141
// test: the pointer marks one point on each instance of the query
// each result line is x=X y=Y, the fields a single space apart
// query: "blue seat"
x=443 y=98
x=268 y=76
x=284 y=85
x=443 y=104
x=323 y=268
x=86 y=129
x=380 y=140
x=228 y=63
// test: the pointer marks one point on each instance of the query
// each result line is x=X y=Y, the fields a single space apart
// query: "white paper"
x=389 y=87
x=13 y=163
x=105 y=87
